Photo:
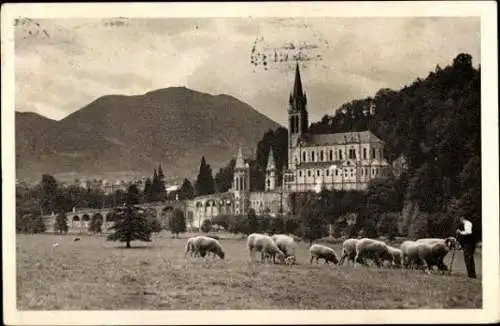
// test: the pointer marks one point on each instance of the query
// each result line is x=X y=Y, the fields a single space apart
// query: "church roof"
x=342 y=138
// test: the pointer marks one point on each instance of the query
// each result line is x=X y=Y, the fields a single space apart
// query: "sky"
x=61 y=65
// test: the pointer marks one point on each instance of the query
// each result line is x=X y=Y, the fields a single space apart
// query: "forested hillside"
x=435 y=123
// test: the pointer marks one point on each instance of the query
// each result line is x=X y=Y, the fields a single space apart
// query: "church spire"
x=297 y=87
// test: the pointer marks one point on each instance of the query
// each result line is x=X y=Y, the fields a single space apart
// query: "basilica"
x=341 y=161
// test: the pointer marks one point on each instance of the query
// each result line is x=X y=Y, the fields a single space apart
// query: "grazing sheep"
x=264 y=244
x=348 y=251
x=397 y=256
x=285 y=243
x=205 y=245
x=432 y=252
x=376 y=250
x=190 y=247
x=55 y=245
x=410 y=258
x=318 y=251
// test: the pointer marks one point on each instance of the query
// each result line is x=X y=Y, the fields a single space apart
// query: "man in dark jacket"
x=468 y=242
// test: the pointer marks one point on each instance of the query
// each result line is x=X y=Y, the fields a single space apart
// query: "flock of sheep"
x=422 y=254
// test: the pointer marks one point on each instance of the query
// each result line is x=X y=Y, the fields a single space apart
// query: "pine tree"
x=161 y=176
x=186 y=191
x=131 y=224
x=148 y=191
x=205 y=184
x=132 y=197
x=253 y=223
x=177 y=223
x=61 y=225
x=95 y=225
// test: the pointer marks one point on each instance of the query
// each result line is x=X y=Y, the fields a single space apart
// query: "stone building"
x=347 y=161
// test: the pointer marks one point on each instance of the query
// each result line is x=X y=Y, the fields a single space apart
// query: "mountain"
x=118 y=135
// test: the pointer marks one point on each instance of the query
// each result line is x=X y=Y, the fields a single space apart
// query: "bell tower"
x=298 y=120
x=241 y=183
x=270 y=172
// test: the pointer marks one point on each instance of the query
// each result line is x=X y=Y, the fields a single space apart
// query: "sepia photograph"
x=250 y=163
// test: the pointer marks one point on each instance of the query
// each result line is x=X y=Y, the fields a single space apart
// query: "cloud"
x=84 y=59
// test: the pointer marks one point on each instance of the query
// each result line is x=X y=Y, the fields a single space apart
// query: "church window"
x=304 y=156
x=321 y=158
x=327 y=172
x=340 y=154
x=352 y=172
x=268 y=184
x=364 y=153
x=300 y=173
x=318 y=173
x=312 y=156
x=336 y=172
x=331 y=155
x=373 y=171
x=373 y=152
x=308 y=173
x=352 y=153
x=380 y=153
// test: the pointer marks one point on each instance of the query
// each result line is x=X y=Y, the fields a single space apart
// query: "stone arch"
x=76 y=218
x=85 y=217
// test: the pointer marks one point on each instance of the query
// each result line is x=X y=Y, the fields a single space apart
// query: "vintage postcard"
x=250 y=163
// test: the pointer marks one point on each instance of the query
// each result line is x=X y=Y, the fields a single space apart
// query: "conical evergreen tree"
x=205 y=182
x=131 y=224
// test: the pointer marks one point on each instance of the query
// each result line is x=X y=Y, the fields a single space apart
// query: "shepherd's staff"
x=452 y=257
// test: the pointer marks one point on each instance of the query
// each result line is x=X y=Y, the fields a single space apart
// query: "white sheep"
x=376 y=250
x=285 y=243
x=348 y=251
x=190 y=247
x=410 y=257
x=318 y=251
x=432 y=251
x=397 y=256
x=264 y=244
x=203 y=245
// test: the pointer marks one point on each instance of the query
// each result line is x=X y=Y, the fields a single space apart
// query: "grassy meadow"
x=94 y=274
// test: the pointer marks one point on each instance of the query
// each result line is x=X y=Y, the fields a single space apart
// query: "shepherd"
x=468 y=242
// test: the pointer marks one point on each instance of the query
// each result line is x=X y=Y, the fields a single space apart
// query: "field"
x=94 y=274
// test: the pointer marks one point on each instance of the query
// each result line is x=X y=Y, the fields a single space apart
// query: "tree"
x=132 y=197
x=131 y=224
x=186 y=191
x=161 y=176
x=156 y=226
x=177 y=223
x=158 y=186
x=148 y=191
x=206 y=226
x=205 y=184
x=224 y=177
x=95 y=225
x=49 y=188
x=253 y=223
x=314 y=222
x=292 y=225
x=278 y=225
x=61 y=225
